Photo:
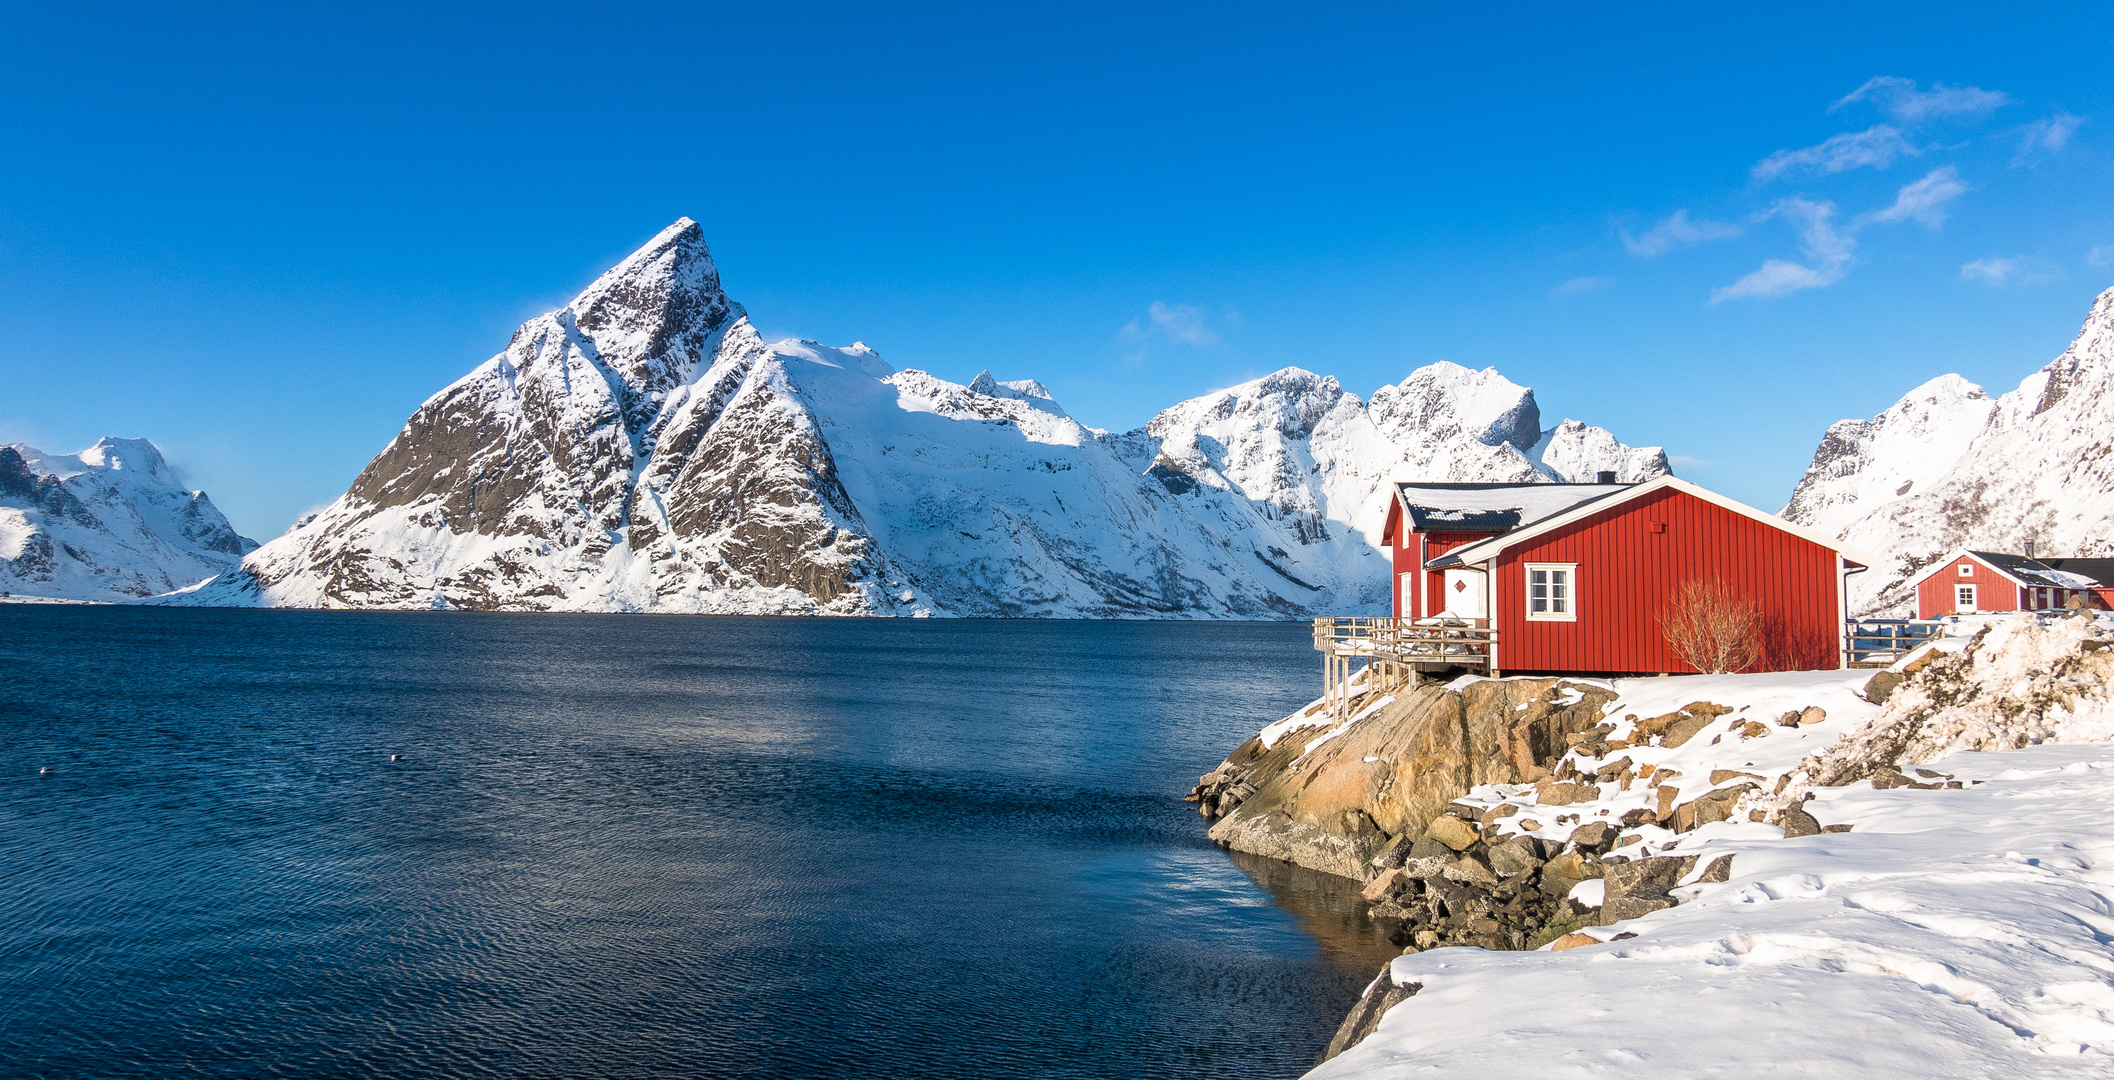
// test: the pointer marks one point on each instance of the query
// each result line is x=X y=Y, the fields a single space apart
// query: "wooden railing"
x=1394 y=651
x=1464 y=642
x=1887 y=640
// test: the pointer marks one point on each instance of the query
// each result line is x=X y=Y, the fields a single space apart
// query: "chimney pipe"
x=2029 y=547
x=1607 y=477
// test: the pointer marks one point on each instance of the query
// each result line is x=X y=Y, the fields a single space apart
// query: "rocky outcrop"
x=1332 y=804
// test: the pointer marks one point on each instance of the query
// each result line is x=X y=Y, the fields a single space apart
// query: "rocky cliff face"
x=109 y=523
x=1948 y=468
x=643 y=449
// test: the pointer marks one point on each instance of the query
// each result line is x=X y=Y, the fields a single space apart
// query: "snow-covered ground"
x=1964 y=927
x=1951 y=933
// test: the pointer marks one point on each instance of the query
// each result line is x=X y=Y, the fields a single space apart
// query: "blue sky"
x=262 y=236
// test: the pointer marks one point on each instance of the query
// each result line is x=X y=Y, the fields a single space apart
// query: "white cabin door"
x=1467 y=594
x=1406 y=607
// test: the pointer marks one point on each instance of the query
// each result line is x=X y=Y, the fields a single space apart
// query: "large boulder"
x=1395 y=772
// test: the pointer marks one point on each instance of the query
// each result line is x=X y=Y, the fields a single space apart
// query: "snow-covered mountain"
x=108 y=523
x=644 y=449
x=1948 y=467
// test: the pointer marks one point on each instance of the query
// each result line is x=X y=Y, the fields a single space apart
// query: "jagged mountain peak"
x=645 y=449
x=108 y=523
x=1450 y=400
x=1950 y=467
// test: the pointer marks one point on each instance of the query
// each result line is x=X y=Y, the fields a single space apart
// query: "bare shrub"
x=1710 y=630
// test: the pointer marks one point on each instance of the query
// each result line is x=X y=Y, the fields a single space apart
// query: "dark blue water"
x=645 y=846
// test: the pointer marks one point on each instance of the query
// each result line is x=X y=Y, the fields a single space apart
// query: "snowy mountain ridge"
x=1948 y=467
x=644 y=449
x=109 y=523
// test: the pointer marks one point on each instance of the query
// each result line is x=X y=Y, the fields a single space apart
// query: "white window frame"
x=1569 y=586
x=1967 y=569
x=1973 y=594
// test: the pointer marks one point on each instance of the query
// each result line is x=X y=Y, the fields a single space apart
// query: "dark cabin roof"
x=2058 y=573
x=1491 y=508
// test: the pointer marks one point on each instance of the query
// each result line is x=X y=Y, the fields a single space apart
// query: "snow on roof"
x=1491 y=507
x=2059 y=573
x=1615 y=495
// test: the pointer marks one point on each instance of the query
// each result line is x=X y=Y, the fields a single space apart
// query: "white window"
x=1967 y=569
x=1964 y=599
x=1552 y=591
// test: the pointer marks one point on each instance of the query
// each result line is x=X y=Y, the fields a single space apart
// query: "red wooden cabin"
x=1575 y=578
x=1970 y=582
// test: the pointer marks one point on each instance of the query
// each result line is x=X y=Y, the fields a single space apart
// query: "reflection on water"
x=1328 y=908
x=643 y=846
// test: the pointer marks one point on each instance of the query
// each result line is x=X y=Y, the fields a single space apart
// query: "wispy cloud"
x=1874 y=148
x=1676 y=231
x=1831 y=251
x=2017 y=270
x=2100 y=255
x=2044 y=138
x=1579 y=286
x=1828 y=252
x=1188 y=324
x=1922 y=202
x=1899 y=99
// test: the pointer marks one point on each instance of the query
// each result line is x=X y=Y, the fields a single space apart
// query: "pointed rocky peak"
x=1290 y=401
x=1443 y=397
x=670 y=279
x=15 y=478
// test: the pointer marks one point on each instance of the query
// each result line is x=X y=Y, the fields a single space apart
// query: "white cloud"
x=1899 y=99
x=1675 y=231
x=1188 y=324
x=1874 y=147
x=2043 y=138
x=1579 y=286
x=2017 y=270
x=1922 y=202
x=1828 y=250
x=2100 y=255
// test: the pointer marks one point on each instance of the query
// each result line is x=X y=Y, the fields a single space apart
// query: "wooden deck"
x=1395 y=651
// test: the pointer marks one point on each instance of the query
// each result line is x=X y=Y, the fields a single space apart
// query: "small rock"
x=1519 y=855
x=1719 y=776
x=1572 y=941
x=1496 y=813
x=1565 y=794
x=1881 y=687
x=1753 y=730
x=1834 y=828
x=1529 y=824
x=1789 y=719
x=1388 y=884
x=1797 y=822
x=1452 y=832
x=1814 y=714
x=1470 y=870
x=1667 y=795
x=1593 y=836
x=1425 y=939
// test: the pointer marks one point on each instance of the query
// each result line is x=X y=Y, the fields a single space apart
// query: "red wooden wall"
x=1628 y=574
x=1934 y=595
